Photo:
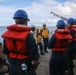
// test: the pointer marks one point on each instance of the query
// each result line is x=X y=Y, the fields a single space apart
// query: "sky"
x=38 y=11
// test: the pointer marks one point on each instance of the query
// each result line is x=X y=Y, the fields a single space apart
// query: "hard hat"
x=75 y=20
x=20 y=14
x=61 y=23
x=36 y=28
x=44 y=24
x=70 y=20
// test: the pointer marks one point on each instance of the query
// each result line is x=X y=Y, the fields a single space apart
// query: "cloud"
x=72 y=6
x=72 y=0
x=6 y=14
x=40 y=12
x=63 y=9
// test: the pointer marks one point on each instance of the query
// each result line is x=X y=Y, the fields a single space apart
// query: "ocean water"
x=4 y=28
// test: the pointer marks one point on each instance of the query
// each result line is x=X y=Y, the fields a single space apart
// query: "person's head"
x=32 y=28
x=44 y=25
x=61 y=24
x=21 y=17
x=37 y=29
x=75 y=21
x=70 y=22
x=0 y=45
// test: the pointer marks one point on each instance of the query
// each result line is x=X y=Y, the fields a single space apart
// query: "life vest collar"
x=17 y=27
x=17 y=32
x=74 y=26
x=62 y=31
x=63 y=34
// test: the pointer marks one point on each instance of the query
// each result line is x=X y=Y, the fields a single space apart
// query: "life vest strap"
x=18 y=56
x=19 y=53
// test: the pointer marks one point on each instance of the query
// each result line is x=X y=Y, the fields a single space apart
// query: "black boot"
x=42 y=53
x=46 y=51
x=71 y=72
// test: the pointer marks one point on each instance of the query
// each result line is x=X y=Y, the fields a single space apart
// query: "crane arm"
x=59 y=16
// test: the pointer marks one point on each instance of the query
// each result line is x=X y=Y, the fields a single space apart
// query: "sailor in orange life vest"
x=58 y=43
x=20 y=46
x=72 y=45
x=45 y=35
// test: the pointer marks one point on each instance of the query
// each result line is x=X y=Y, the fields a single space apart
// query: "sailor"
x=20 y=46
x=58 y=43
x=72 y=45
x=45 y=36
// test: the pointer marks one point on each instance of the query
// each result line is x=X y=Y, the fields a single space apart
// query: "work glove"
x=36 y=63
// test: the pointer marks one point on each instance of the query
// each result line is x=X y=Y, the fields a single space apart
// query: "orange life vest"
x=15 y=38
x=73 y=27
x=63 y=38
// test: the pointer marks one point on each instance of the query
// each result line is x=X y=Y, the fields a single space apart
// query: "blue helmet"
x=70 y=20
x=61 y=23
x=20 y=14
x=75 y=20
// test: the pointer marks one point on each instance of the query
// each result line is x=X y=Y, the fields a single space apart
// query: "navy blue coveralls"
x=71 y=52
x=58 y=60
x=40 y=46
x=45 y=40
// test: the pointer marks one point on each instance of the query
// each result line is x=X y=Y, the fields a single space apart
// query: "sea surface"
x=4 y=28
